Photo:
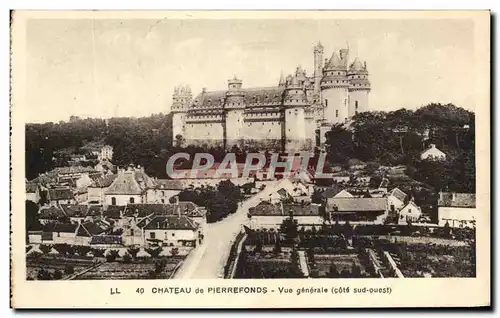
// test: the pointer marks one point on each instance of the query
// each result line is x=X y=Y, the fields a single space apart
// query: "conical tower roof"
x=282 y=79
x=334 y=63
x=356 y=65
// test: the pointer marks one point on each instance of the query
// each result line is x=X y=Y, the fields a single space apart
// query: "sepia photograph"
x=233 y=148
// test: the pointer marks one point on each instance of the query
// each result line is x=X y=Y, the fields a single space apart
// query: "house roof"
x=434 y=149
x=31 y=187
x=92 y=228
x=301 y=209
x=356 y=204
x=171 y=222
x=61 y=194
x=167 y=184
x=343 y=194
x=125 y=183
x=265 y=208
x=73 y=170
x=187 y=208
x=144 y=209
x=51 y=213
x=106 y=239
x=398 y=194
x=457 y=200
x=75 y=210
x=60 y=227
x=114 y=211
x=104 y=181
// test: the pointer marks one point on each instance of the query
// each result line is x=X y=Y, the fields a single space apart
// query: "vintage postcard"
x=268 y=159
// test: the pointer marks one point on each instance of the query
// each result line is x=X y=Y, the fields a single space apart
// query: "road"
x=208 y=259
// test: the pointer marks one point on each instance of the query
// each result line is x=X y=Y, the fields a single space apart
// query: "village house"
x=433 y=153
x=51 y=214
x=99 y=150
x=343 y=194
x=54 y=233
x=72 y=173
x=457 y=209
x=75 y=212
x=396 y=199
x=58 y=196
x=163 y=190
x=89 y=229
x=97 y=189
x=172 y=230
x=129 y=187
x=32 y=192
x=373 y=210
x=269 y=215
x=106 y=241
x=410 y=213
x=105 y=167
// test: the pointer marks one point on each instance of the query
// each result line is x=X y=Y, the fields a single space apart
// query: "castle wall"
x=235 y=128
x=178 y=124
x=210 y=133
x=336 y=104
x=361 y=97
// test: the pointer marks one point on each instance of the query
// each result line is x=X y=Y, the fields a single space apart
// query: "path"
x=208 y=259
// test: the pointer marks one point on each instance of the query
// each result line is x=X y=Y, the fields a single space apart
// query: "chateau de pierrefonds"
x=292 y=116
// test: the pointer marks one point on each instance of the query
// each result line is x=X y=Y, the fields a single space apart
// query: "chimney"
x=433 y=145
x=204 y=90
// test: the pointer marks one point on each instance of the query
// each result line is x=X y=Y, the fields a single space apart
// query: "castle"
x=292 y=116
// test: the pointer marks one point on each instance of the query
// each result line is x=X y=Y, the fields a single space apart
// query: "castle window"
x=356 y=104
x=337 y=113
x=326 y=102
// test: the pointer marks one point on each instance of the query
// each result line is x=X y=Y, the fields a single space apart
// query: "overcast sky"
x=106 y=68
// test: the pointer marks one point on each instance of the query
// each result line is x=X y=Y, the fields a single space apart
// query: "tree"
x=339 y=144
x=112 y=255
x=57 y=274
x=69 y=270
x=132 y=251
x=333 y=272
x=289 y=227
x=154 y=252
x=127 y=258
x=277 y=247
x=32 y=223
x=174 y=252
x=45 y=248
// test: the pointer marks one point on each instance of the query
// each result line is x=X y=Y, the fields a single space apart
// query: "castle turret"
x=359 y=87
x=295 y=102
x=282 y=81
x=181 y=99
x=234 y=113
x=318 y=66
x=335 y=88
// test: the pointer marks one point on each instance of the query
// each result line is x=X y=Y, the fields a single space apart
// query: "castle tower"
x=181 y=99
x=318 y=66
x=234 y=111
x=295 y=101
x=335 y=89
x=359 y=87
x=282 y=82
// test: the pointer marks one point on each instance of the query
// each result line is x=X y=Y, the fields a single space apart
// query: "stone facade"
x=291 y=116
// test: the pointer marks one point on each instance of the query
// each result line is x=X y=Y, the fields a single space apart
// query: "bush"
x=69 y=270
x=44 y=275
x=133 y=251
x=112 y=255
x=98 y=252
x=45 y=248
x=174 y=252
x=82 y=250
x=154 y=252
x=57 y=274
x=127 y=258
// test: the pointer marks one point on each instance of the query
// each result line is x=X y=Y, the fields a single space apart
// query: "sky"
x=113 y=68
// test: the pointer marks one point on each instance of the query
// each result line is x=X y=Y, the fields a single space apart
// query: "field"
x=422 y=260
x=267 y=265
x=138 y=269
x=56 y=262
